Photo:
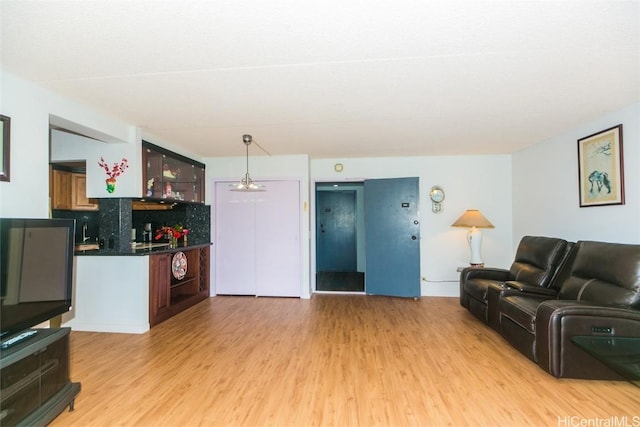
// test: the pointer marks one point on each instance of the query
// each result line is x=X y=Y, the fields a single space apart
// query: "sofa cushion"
x=537 y=259
x=521 y=310
x=604 y=273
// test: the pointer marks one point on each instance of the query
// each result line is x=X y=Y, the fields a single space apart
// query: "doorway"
x=376 y=224
x=339 y=232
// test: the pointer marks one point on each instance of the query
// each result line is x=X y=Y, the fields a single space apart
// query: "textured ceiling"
x=333 y=78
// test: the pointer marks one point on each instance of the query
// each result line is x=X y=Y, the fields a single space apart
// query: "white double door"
x=257 y=240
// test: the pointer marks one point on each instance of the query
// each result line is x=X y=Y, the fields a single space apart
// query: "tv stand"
x=35 y=379
x=17 y=339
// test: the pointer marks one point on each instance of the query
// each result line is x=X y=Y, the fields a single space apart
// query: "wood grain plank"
x=332 y=360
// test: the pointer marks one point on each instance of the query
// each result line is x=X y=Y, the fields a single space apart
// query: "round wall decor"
x=179 y=265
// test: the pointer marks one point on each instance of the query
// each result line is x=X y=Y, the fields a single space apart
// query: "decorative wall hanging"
x=114 y=172
x=5 y=149
x=601 y=168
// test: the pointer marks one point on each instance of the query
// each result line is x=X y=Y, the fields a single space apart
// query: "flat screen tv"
x=36 y=271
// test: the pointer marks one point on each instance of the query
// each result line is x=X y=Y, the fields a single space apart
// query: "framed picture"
x=601 y=169
x=5 y=151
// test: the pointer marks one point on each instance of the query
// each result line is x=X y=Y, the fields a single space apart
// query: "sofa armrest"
x=469 y=273
x=531 y=289
x=557 y=321
x=488 y=273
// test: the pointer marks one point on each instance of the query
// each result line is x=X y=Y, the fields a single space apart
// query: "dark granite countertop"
x=140 y=250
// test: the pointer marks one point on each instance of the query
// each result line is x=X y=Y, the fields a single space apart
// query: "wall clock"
x=179 y=265
x=437 y=197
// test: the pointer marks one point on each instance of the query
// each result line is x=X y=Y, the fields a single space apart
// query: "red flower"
x=117 y=170
x=176 y=231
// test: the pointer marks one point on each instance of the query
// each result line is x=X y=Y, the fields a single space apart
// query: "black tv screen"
x=36 y=271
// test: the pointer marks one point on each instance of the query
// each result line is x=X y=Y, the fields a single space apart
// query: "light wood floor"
x=345 y=360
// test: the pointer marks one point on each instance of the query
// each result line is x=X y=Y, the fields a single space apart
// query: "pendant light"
x=246 y=184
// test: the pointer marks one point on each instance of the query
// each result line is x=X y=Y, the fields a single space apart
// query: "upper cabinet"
x=170 y=176
x=69 y=192
x=79 y=199
x=60 y=189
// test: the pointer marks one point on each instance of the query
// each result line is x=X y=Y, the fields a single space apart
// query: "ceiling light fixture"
x=247 y=184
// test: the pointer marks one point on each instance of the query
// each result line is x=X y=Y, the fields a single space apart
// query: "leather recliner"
x=599 y=295
x=535 y=265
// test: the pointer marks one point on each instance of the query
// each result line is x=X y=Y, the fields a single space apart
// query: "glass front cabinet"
x=170 y=176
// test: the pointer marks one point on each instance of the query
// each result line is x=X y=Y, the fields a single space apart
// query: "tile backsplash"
x=115 y=220
x=89 y=218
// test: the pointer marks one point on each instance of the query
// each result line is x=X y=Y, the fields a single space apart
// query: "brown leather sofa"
x=536 y=263
x=594 y=292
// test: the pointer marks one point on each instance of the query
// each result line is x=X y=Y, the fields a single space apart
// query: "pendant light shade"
x=246 y=184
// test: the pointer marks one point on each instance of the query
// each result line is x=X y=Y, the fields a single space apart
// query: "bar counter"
x=112 y=288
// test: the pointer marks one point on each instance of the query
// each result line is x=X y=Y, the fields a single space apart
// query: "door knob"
x=413 y=237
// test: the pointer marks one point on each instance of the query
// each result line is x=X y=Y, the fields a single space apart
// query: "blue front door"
x=336 y=231
x=392 y=242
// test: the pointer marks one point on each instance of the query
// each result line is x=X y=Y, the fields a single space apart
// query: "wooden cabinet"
x=159 y=285
x=169 y=176
x=79 y=199
x=61 y=190
x=69 y=192
x=168 y=294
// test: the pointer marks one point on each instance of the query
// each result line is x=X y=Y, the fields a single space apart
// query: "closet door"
x=257 y=235
x=234 y=242
x=278 y=250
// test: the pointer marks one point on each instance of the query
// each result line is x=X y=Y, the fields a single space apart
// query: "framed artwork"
x=601 y=168
x=5 y=151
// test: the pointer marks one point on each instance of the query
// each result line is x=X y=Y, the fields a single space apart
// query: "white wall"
x=67 y=146
x=114 y=300
x=469 y=182
x=545 y=187
x=31 y=109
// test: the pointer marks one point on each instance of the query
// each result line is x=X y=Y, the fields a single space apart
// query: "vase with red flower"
x=172 y=234
x=113 y=172
x=111 y=185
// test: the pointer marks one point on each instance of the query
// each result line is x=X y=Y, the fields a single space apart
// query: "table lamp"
x=474 y=220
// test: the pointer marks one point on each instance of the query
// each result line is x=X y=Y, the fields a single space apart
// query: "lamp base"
x=474 y=237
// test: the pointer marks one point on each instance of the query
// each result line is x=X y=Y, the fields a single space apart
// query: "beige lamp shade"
x=472 y=218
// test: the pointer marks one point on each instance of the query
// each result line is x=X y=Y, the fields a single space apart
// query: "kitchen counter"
x=112 y=289
x=140 y=249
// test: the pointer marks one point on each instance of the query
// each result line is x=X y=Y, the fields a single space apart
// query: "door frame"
x=313 y=225
x=313 y=228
